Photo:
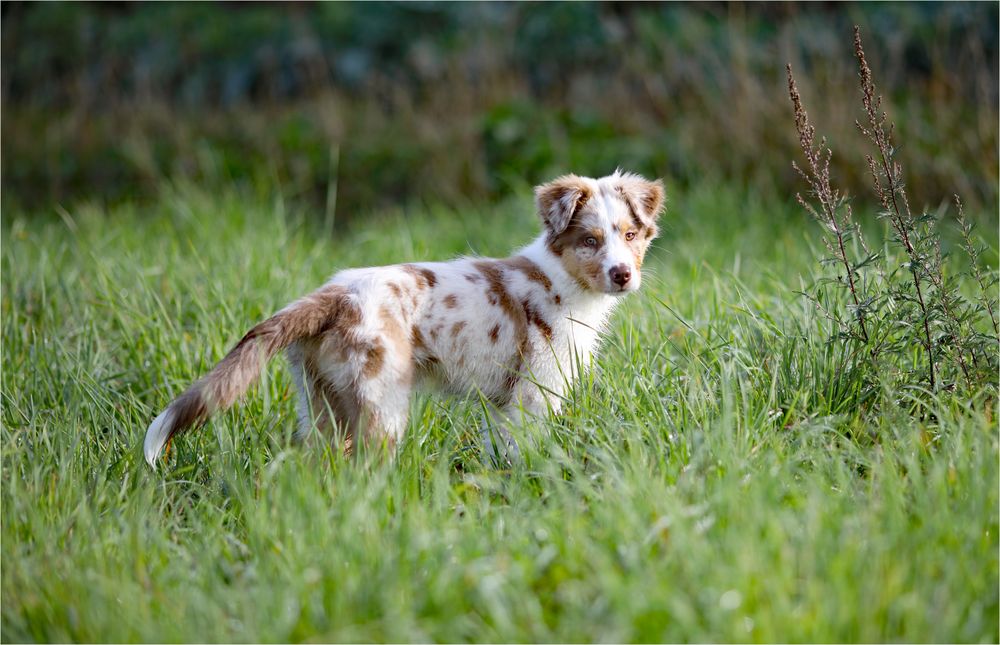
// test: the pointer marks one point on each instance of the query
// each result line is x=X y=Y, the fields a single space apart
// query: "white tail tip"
x=156 y=437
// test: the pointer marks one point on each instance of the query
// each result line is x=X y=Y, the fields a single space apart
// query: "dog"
x=516 y=331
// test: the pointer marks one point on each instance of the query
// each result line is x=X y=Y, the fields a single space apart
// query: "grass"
x=720 y=479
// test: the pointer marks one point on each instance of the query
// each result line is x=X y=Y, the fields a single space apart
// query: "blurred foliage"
x=356 y=105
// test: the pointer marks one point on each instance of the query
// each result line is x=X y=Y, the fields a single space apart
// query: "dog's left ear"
x=560 y=199
x=644 y=197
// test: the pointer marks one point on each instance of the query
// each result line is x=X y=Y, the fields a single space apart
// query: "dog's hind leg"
x=319 y=405
x=384 y=407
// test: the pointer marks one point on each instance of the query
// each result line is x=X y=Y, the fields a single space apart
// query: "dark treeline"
x=360 y=105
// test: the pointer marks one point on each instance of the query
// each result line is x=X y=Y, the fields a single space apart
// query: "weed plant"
x=904 y=296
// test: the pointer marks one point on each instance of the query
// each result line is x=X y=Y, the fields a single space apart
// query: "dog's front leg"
x=498 y=441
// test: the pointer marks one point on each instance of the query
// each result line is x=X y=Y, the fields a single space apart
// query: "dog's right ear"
x=560 y=199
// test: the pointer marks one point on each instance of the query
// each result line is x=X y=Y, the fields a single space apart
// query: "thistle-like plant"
x=912 y=298
x=830 y=209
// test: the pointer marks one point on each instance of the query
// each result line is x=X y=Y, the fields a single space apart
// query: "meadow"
x=721 y=475
x=790 y=435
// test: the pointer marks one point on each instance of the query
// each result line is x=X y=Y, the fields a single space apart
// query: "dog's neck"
x=589 y=306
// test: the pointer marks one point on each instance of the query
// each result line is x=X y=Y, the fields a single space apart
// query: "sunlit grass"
x=718 y=478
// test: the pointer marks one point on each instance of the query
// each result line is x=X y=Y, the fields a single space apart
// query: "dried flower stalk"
x=977 y=272
x=817 y=175
x=891 y=192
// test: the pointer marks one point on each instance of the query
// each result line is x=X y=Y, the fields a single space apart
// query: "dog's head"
x=600 y=228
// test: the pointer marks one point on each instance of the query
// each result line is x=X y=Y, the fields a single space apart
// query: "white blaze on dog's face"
x=601 y=228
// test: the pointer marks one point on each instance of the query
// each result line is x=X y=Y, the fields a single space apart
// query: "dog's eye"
x=630 y=236
x=591 y=241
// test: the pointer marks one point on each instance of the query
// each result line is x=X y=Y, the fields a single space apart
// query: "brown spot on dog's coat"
x=451 y=301
x=421 y=352
x=396 y=291
x=418 y=338
x=424 y=276
x=531 y=271
x=495 y=333
x=374 y=359
x=533 y=317
x=395 y=332
x=506 y=394
x=493 y=272
x=457 y=328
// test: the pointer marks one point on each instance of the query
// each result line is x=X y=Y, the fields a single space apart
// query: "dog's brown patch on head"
x=640 y=240
x=451 y=301
x=644 y=198
x=586 y=224
x=396 y=290
x=560 y=200
x=531 y=271
x=495 y=333
x=423 y=276
x=585 y=275
x=457 y=328
x=581 y=261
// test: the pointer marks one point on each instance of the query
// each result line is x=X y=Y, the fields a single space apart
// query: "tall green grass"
x=720 y=477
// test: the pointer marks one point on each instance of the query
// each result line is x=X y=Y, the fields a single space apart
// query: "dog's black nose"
x=621 y=274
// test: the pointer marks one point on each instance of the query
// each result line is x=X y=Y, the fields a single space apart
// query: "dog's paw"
x=500 y=446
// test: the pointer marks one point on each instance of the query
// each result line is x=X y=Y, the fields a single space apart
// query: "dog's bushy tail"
x=230 y=379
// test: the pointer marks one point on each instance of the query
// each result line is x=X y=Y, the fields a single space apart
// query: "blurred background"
x=354 y=107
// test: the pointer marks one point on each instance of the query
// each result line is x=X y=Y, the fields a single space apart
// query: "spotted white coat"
x=516 y=331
